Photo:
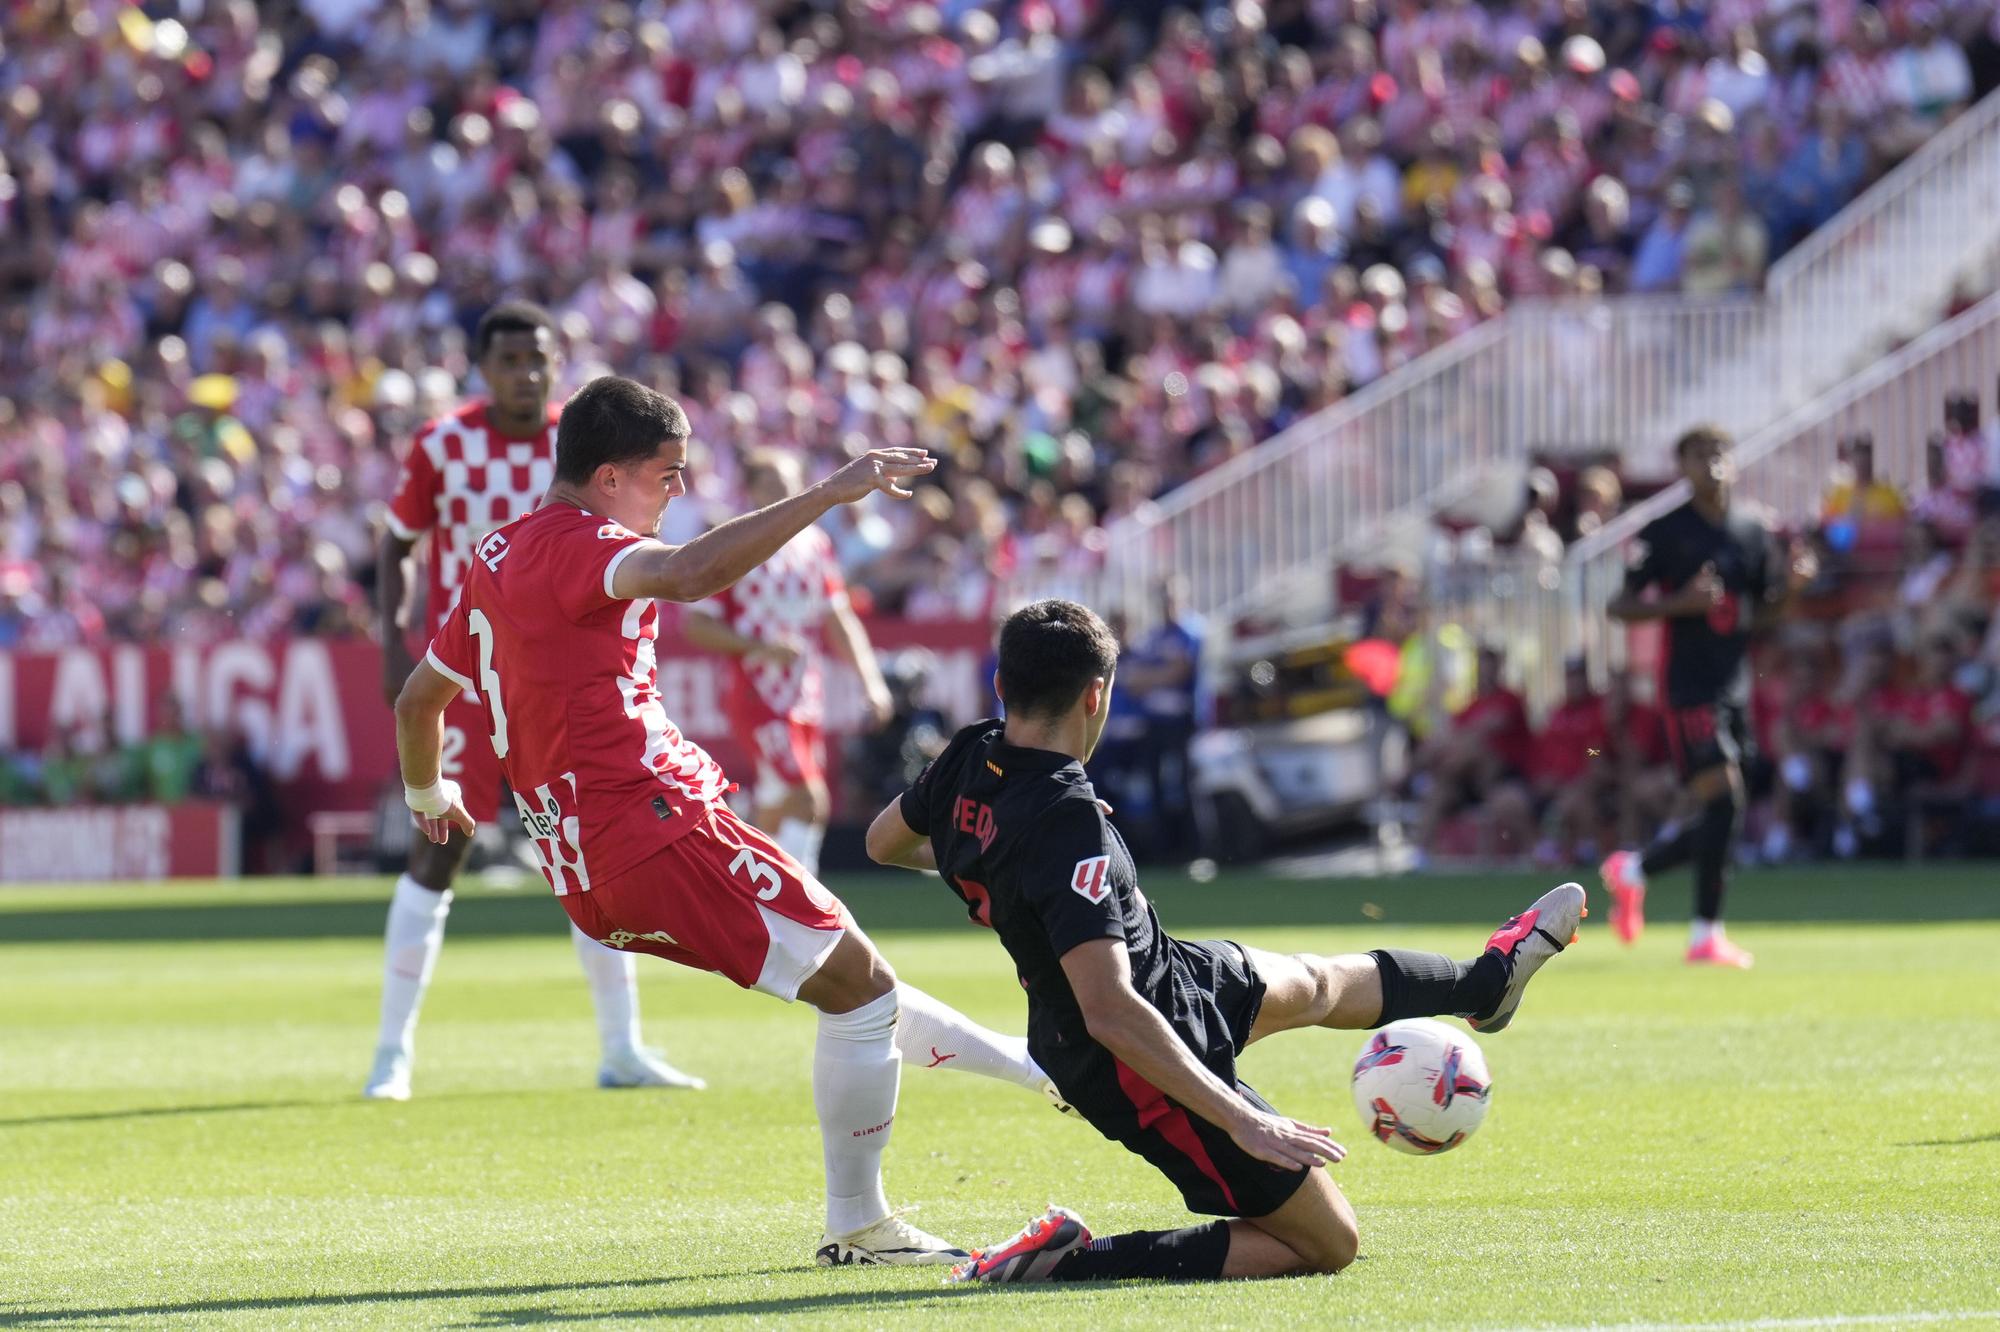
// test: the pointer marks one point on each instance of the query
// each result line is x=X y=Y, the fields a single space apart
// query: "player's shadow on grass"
x=154 y=1112
x=1972 y=1141
x=15 y=1315
x=849 y=1300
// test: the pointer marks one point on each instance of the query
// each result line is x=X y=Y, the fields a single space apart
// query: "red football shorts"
x=786 y=754
x=722 y=897
x=468 y=759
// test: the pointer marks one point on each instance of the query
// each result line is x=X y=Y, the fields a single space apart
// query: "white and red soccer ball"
x=1421 y=1087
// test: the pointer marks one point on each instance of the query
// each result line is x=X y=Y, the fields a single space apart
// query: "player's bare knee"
x=1335 y=1246
x=854 y=974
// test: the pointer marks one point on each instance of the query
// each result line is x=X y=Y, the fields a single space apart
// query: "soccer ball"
x=1421 y=1087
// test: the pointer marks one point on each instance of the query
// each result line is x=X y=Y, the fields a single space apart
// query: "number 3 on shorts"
x=766 y=879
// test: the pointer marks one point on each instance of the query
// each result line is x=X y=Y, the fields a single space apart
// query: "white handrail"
x=1629 y=374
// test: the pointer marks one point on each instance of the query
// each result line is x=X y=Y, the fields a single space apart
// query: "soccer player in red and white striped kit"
x=554 y=632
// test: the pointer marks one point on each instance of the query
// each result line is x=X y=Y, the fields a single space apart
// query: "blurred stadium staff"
x=1164 y=673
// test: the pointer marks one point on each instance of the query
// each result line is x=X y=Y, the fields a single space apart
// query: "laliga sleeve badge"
x=1092 y=878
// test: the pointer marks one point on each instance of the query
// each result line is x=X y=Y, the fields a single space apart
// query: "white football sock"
x=1635 y=866
x=1861 y=798
x=1701 y=931
x=410 y=944
x=855 y=1079
x=801 y=841
x=932 y=1034
x=614 y=989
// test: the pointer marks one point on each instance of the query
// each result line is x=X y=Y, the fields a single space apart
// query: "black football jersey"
x=1707 y=656
x=1019 y=836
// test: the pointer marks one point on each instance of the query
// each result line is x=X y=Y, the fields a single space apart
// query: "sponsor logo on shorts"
x=619 y=938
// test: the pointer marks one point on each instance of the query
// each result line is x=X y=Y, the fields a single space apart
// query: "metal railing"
x=1544 y=615
x=1902 y=244
x=1626 y=374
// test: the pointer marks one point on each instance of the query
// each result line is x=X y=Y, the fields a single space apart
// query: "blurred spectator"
x=1662 y=255
x=1479 y=763
x=1857 y=496
x=1572 y=781
x=1726 y=247
x=1165 y=676
x=165 y=763
x=888 y=759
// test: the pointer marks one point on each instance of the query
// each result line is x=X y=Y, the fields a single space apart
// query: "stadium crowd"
x=1086 y=249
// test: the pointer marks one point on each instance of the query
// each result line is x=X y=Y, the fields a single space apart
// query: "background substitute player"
x=1140 y=1030
x=774 y=625
x=484 y=465
x=1712 y=572
x=554 y=633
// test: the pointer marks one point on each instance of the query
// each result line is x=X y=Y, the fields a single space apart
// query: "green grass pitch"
x=1812 y=1144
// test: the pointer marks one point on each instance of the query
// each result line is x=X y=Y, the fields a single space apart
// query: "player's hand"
x=878 y=469
x=881 y=706
x=438 y=809
x=778 y=654
x=1286 y=1143
x=1703 y=593
x=396 y=667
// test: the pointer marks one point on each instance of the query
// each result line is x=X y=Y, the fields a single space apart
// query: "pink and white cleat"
x=1625 y=879
x=1718 y=951
x=1031 y=1255
x=1527 y=941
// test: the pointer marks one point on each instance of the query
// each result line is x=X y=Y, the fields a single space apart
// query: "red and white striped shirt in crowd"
x=1864 y=86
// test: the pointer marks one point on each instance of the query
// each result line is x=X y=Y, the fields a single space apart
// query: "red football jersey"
x=1570 y=741
x=784 y=600
x=566 y=677
x=460 y=480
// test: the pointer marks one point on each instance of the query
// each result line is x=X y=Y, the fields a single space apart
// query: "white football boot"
x=644 y=1068
x=389 y=1079
x=892 y=1241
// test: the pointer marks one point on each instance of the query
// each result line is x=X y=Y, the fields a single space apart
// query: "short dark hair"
x=509 y=317
x=613 y=420
x=1050 y=651
x=1699 y=436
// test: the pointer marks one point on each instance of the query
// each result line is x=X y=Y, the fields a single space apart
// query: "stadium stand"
x=1089 y=251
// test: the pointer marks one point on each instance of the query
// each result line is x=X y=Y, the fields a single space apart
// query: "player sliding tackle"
x=1140 y=1030
x=554 y=632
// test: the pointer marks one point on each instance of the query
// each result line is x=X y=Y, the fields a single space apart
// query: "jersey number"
x=451 y=754
x=767 y=880
x=489 y=681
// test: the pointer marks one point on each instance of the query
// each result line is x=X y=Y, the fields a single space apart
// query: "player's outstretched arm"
x=717 y=558
x=891 y=841
x=1120 y=1020
x=433 y=798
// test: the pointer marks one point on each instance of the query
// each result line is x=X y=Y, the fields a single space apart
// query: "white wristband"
x=434 y=800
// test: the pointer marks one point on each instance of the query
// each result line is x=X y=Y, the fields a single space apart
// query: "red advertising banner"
x=313 y=714
x=103 y=843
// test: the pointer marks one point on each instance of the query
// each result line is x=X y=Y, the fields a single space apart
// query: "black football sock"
x=1195 y=1253
x=1418 y=984
x=1716 y=838
x=1673 y=848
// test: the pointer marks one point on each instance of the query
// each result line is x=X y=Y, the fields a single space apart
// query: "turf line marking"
x=1820 y=1320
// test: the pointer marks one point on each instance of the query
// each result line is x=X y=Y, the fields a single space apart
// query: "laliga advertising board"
x=312 y=712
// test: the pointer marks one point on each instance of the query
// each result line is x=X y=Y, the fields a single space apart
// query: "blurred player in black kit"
x=1139 y=1030
x=1718 y=577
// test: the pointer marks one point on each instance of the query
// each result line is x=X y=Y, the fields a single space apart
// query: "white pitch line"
x=1911 y=1318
